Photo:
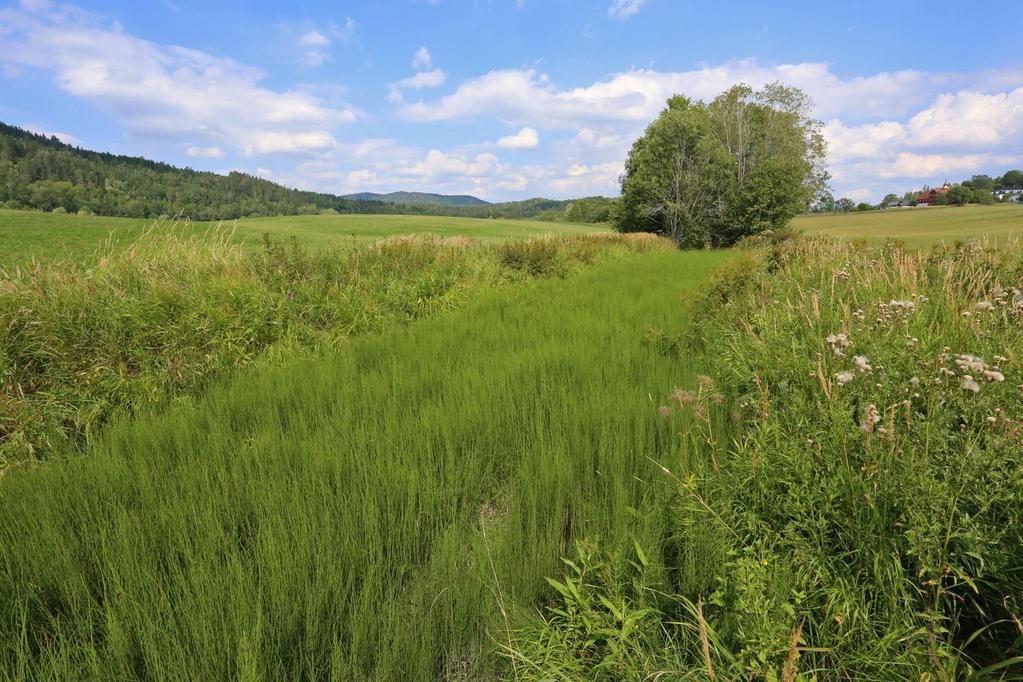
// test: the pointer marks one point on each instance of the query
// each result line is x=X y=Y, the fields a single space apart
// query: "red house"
x=927 y=197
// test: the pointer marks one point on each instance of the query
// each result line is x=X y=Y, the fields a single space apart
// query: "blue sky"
x=506 y=99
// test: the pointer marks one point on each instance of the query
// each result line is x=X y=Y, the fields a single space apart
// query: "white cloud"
x=885 y=129
x=423 y=79
x=213 y=152
x=315 y=44
x=163 y=90
x=421 y=60
x=345 y=31
x=289 y=143
x=525 y=96
x=957 y=135
x=623 y=9
x=527 y=138
x=970 y=119
x=66 y=138
x=313 y=39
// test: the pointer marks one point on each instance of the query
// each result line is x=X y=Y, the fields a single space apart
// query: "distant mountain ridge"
x=418 y=198
x=43 y=173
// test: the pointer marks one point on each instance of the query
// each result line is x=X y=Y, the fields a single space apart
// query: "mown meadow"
x=921 y=227
x=573 y=458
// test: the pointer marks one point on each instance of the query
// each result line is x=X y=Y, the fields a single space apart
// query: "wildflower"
x=844 y=377
x=704 y=380
x=838 y=343
x=870 y=418
x=862 y=363
x=683 y=397
x=991 y=420
x=985 y=305
x=665 y=411
x=966 y=313
x=966 y=362
x=905 y=305
x=970 y=384
x=993 y=375
x=914 y=382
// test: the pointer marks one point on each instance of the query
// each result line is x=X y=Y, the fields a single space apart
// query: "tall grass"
x=161 y=318
x=848 y=502
x=386 y=512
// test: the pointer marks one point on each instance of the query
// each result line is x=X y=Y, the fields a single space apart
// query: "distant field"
x=28 y=234
x=921 y=226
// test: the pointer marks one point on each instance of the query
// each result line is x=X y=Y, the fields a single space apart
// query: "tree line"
x=979 y=189
x=43 y=173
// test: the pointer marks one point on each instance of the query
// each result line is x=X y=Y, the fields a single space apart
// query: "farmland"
x=617 y=341
x=544 y=459
x=55 y=236
x=921 y=226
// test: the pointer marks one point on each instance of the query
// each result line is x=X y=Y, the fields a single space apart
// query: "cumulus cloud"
x=213 y=152
x=958 y=134
x=423 y=79
x=66 y=138
x=315 y=44
x=887 y=131
x=527 y=138
x=164 y=90
x=279 y=142
x=313 y=39
x=908 y=124
x=524 y=95
x=623 y=9
x=421 y=60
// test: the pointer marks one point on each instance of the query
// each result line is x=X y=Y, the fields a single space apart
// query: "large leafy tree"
x=673 y=175
x=709 y=174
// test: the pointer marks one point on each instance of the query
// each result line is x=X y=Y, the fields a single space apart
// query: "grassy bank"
x=922 y=226
x=389 y=512
x=859 y=518
x=55 y=236
x=164 y=316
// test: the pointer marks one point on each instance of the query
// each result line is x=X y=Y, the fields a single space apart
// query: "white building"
x=1013 y=193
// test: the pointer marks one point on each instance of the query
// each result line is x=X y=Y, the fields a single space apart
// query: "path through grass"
x=370 y=515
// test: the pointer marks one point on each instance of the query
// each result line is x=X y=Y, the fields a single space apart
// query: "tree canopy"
x=710 y=174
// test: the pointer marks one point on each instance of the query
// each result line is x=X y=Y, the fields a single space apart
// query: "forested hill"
x=47 y=174
x=412 y=198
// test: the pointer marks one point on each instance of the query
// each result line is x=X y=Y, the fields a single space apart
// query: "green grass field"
x=49 y=236
x=922 y=226
x=365 y=515
x=591 y=458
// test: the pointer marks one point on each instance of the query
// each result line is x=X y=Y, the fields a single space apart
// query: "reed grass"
x=160 y=319
x=388 y=511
